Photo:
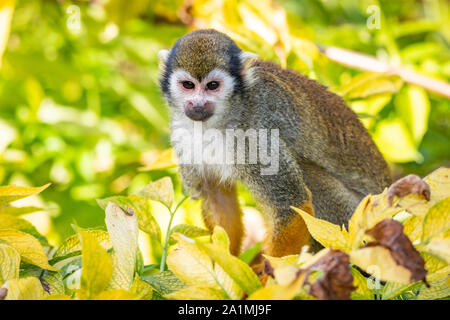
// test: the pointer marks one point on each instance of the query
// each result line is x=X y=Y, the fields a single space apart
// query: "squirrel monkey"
x=326 y=159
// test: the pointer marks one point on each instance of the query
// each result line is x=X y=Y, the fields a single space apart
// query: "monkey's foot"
x=263 y=270
x=406 y=185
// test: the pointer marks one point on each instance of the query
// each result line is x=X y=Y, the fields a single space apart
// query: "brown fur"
x=221 y=207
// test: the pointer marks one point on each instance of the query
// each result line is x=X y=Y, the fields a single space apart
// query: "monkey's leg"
x=286 y=230
x=221 y=207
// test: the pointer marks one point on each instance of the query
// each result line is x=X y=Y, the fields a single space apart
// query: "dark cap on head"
x=199 y=52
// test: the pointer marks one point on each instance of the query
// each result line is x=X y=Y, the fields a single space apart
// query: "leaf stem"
x=166 y=240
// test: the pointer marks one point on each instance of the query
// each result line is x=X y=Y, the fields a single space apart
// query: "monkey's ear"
x=246 y=55
x=163 y=55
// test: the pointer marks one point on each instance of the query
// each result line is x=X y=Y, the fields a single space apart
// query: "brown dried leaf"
x=389 y=234
x=336 y=282
x=406 y=185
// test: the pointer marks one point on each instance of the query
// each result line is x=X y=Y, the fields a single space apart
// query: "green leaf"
x=97 y=268
x=362 y=290
x=393 y=289
x=28 y=247
x=123 y=231
x=17 y=211
x=248 y=255
x=72 y=244
x=438 y=289
x=12 y=193
x=53 y=282
x=9 y=263
x=189 y=231
x=164 y=282
x=160 y=190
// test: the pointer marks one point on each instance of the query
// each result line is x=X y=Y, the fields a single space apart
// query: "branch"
x=369 y=63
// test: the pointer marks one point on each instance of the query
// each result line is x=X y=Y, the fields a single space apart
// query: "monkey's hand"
x=406 y=185
x=192 y=184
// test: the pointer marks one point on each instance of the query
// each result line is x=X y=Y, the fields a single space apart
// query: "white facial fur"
x=200 y=95
x=180 y=96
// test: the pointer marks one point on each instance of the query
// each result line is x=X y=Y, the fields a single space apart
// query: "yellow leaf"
x=58 y=297
x=439 y=247
x=437 y=220
x=12 y=193
x=280 y=292
x=439 y=182
x=160 y=190
x=165 y=160
x=142 y=209
x=328 y=234
x=432 y=262
x=371 y=210
x=11 y=222
x=232 y=289
x=115 y=294
x=285 y=274
x=198 y=293
x=190 y=264
x=143 y=290
x=414 y=107
x=238 y=270
x=362 y=290
x=220 y=238
x=29 y=288
x=28 y=247
x=9 y=263
x=123 y=232
x=371 y=83
x=380 y=258
x=395 y=142
x=97 y=267
x=413 y=228
x=277 y=262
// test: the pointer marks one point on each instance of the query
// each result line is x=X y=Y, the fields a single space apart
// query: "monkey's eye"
x=213 y=85
x=188 y=84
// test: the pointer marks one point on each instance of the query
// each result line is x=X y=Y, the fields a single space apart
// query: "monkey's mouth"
x=195 y=114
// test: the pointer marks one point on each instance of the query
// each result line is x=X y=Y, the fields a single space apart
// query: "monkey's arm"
x=220 y=205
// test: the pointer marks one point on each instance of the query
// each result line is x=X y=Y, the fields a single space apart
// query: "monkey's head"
x=200 y=72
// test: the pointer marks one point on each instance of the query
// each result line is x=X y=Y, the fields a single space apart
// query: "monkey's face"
x=200 y=98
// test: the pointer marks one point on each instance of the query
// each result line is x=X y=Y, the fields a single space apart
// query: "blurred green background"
x=80 y=105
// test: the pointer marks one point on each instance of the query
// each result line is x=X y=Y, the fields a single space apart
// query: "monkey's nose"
x=198 y=108
x=199 y=112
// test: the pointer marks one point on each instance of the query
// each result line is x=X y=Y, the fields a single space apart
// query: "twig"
x=369 y=63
